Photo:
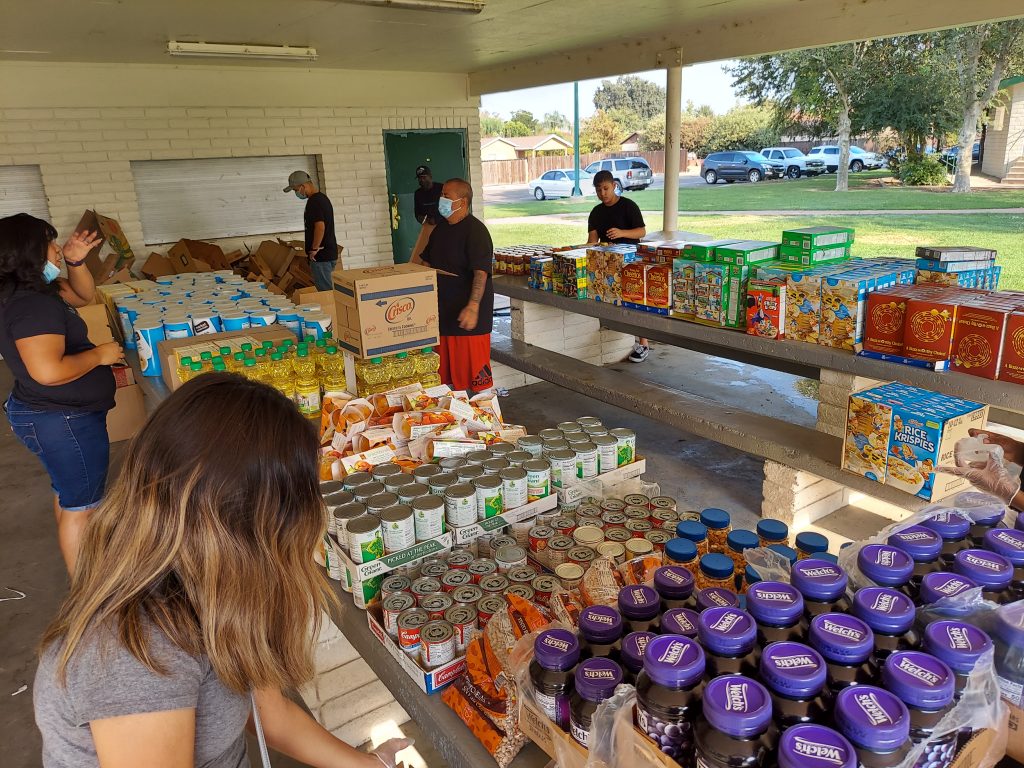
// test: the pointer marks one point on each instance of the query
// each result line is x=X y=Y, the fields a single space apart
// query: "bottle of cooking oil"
x=197 y=370
x=333 y=372
x=428 y=365
x=376 y=377
x=185 y=369
x=249 y=369
x=403 y=371
x=225 y=352
x=219 y=365
x=237 y=362
x=281 y=375
x=206 y=358
x=307 y=386
x=361 y=364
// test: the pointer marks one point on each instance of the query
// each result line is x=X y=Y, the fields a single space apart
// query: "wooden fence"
x=524 y=170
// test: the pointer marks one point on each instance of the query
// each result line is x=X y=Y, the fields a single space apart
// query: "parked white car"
x=797 y=163
x=559 y=183
x=629 y=172
x=860 y=159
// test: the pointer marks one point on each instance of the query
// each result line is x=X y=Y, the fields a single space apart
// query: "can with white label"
x=586 y=461
x=489 y=496
x=437 y=644
x=607 y=452
x=460 y=504
x=409 y=492
x=397 y=528
x=508 y=558
x=469 y=473
x=393 y=584
x=439 y=483
x=538 y=479
x=494 y=466
x=428 y=517
x=423 y=587
x=563 y=467
x=396 y=483
x=531 y=444
x=515 y=491
x=357 y=479
x=424 y=472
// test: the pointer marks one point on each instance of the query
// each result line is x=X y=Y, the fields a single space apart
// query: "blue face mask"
x=300 y=195
x=50 y=272
x=445 y=206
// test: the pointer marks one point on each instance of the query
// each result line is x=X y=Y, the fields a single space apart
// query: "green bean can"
x=489 y=496
x=563 y=467
x=607 y=452
x=626 y=443
x=538 y=479
x=365 y=539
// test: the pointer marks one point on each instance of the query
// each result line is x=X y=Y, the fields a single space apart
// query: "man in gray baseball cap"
x=318 y=218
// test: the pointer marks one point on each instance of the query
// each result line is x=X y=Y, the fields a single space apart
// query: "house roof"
x=1011 y=81
x=633 y=137
x=532 y=142
x=495 y=139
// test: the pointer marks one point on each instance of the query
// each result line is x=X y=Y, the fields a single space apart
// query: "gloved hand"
x=386 y=752
x=992 y=478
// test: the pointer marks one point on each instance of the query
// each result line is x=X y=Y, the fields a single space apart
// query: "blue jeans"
x=73 y=446
x=322 y=271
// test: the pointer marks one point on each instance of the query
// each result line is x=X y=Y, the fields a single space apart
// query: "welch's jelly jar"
x=729 y=637
x=600 y=630
x=815 y=746
x=959 y=645
x=925 y=684
x=778 y=610
x=595 y=680
x=876 y=722
x=555 y=655
x=887 y=566
x=890 y=614
x=679 y=621
x=674 y=584
x=639 y=606
x=924 y=546
x=795 y=677
x=716 y=597
x=1010 y=544
x=668 y=694
x=733 y=729
x=954 y=529
x=847 y=645
x=935 y=587
x=632 y=654
x=823 y=585
x=992 y=572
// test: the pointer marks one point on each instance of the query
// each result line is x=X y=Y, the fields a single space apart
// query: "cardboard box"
x=810 y=257
x=120 y=254
x=128 y=414
x=386 y=310
x=467 y=533
x=978 y=340
x=1012 y=368
x=101 y=328
x=157 y=265
x=884 y=318
x=168 y=349
x=928 y=329
x=428 y=681
x=277 y=255
x=703 y=251
x=954 y=253
x=766 y=309
x=683 y=286
x=183 y=258
x=634 y=284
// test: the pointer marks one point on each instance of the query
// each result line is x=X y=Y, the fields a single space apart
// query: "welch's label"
x=727 y=622
x=674 y=653
x=958 y=638
x=826 y=752
x=840 y=630
x=884 y=603
x=736 y=697
x=875 y=712
x=920 y=673
x=800 y=661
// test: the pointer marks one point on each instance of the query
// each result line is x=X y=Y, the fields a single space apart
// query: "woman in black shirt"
x=63 y=386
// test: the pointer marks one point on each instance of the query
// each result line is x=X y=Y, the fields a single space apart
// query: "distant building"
x=511 y=148
x=631 y=143
x=1003 y=154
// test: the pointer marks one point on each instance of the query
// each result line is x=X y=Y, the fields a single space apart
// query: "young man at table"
x=617 y=219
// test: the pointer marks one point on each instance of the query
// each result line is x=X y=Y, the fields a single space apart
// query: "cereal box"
x=817 y=237
x=604 y=271
x=954 y=253
x=809 y=257
x=868 y=429
x=659 y=288
x=569 y=273
x=634 y=284
x=883 y=320
x=1012 y=368
x=746 y=252
x=766 y=309
x=720 y=295
x=803 y=307
x=683 y=305
x=928 y=328
x=978 y=340
x=844 y=301
x=703 y=251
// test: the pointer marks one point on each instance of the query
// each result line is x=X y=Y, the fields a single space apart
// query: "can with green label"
x=365 y=539
x=538 y=478
x=489 y=496
x=626 y=444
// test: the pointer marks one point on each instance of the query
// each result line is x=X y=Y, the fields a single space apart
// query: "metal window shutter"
x=218 y=197
x=21 y=191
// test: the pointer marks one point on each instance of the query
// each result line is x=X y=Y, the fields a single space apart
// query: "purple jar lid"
x=673 y=582
x=841 y=638
x=957 y=643
x=884 y=610
x=596 y=678
x=633 y=646
x=1006 y=542
x=943 y=584
x=775 y=603
x=885 y=565
x=674 y=661
x=679 y=621
x=793 y=670
x=949 y=525
x=984 y=508
x=556 y=649
x=737 y=706
x=987 y=569
x=922 y=544
x=600 y=624
x=815 y=746
x=921 y=680
x=639 y=602
x=716 y=597
x=727 y=631
x=872 y=718
x=818 y=579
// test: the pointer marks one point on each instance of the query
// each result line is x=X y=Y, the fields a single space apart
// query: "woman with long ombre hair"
x=195 y=595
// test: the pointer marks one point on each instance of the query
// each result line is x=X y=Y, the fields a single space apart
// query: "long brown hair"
x=208 y=534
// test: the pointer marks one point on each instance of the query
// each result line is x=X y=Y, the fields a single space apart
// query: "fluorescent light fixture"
x=242 y=51
x=449 y=6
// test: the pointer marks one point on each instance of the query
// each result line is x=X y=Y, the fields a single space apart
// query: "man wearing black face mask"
x=321 y=243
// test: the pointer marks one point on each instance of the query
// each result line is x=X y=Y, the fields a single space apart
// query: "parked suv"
x=739 y=166
x=860 y=159
x=797 y=163
x=629 y=172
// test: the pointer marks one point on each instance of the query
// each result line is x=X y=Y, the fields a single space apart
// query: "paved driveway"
x=518 y=193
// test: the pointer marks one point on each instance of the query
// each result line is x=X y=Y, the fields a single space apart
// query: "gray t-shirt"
x=105 y=680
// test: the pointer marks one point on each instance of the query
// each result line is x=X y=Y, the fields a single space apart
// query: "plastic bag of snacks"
x=485 y=696
x=601 y=583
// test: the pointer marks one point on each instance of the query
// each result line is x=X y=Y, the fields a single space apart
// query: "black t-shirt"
x=30 y=313
x=319 y=208
x=426 y=202
x=461 y=249
x=625 y=214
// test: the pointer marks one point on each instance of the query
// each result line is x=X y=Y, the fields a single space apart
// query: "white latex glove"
x=992 y=478
x=387 y=751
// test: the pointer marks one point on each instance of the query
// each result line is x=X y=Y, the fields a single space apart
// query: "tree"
x=746 y=128
x=600 y=133
x=694 y=133
x=631 y=93
x=514 y=128
x=982 y=56
x=704 y=110
x=526 y=118
x=554 y=122
x=490 y=124
x=627 y=120
x=652 y=137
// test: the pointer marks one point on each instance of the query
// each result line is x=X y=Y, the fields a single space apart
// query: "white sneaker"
x=639 y=353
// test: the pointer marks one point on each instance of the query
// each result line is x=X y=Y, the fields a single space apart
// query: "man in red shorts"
x=461 y=251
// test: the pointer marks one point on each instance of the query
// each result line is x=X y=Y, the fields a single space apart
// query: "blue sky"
x=702 y=83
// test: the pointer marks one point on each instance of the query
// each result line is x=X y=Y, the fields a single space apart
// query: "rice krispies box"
x=897 y=435
x=766 y=308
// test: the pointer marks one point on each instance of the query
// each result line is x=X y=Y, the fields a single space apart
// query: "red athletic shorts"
x=466 y=362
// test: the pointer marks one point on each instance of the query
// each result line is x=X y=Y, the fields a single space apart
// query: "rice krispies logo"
x=916 y=436
x=675 y=653
x=736 y=697
x=870 y=706
x=920 y=673
x=829 y=753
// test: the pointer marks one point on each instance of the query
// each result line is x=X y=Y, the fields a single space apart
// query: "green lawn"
x=876 y=236
x=815 y=194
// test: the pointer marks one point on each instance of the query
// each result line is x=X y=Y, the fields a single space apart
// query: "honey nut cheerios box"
x=897 y=435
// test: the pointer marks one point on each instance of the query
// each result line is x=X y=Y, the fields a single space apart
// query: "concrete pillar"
x=673 y=116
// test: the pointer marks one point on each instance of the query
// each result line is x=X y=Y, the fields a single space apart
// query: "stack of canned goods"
x=580 y=449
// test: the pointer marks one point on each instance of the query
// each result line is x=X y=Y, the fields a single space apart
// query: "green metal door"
x=443 y=151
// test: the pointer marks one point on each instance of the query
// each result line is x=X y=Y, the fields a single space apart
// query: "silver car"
x=628 y=172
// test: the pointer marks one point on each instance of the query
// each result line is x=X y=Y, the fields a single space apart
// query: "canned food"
x=408 y=493
x=576 y=438
x=531 y=444
x=396 y=483
x=525 y=591
x=460 y=504
x=451 y=463
x=494 y=466
x=563 y=467
x=428 y=515
x=366 y=491
x=459 y=559
x=637 y=500
x=468 y=594
x=380 y=501
x=564 y=525
x=502 y=541
x=327 y=487
x=586 y=460
x=663 y=502
x=437 y=644
x=589 y=421
x=518 y=458
x=543 y=586
x=612 y=549
x=569 y=426
x=587 y=522
x=341 y=516
x=522 y=574
x=452 y=580
x=469 y=473
x=356 y=479
x=638 y=548
x=397 y=528
x=489 y=496
x=436 y=605
x=381 y=471
x=500 y=449
x=538 y=479
x=618 y=534
x=612 y=520
x=689 y=514
x=426 y=471
x=569 y=574
x=554 y=445
x=394 y=584
x=423 y=587
x=514 y=487
x=558 y=548
x=607 y=452
x=337 y=498
x=659 y=537
x=410 y=622
x=595 y=430
x=487 y=607
x=439 y=483
x=478 y=457
x=662 y=516
x=496 y=582
x=638 y=527
x=508 y=558
x=434 y=568
x=625 y=440
x=613 y=505
x=635 y=512
x=540 y=535
x=365 y=540
x=588 y=536
x=521 y=532
x=582 y=556
x=365 y=592
x=392 y=607
x=463 y=619
x=482 y=567
x=550 y=434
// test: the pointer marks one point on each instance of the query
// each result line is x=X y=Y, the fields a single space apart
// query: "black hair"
x=602 y=176
x=24 y=242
